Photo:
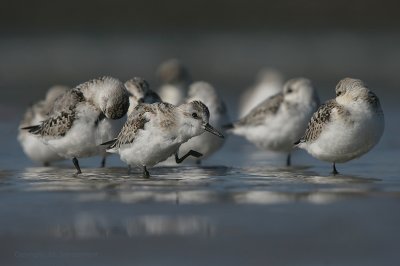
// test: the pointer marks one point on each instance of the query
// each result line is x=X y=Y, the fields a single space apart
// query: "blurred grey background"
x=43 y=43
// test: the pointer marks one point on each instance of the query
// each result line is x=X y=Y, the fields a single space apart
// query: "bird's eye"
x=338 y=93
x=289 y=90
x=194 y=115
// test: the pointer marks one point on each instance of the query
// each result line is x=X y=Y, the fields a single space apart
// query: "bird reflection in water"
x=86 y=225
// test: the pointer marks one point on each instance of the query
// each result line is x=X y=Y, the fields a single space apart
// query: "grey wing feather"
x=318 y=121
x=268 y=107
x=136 y=121
x=62 y=116
x=56 y=126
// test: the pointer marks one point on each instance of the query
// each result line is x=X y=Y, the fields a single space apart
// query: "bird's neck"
x=185 y=129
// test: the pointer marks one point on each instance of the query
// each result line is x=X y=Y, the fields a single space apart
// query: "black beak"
x=209 y=128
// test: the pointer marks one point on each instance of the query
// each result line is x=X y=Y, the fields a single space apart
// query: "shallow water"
x=241 y=207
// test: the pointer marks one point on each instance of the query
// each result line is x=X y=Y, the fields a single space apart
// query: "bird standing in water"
x=153 y=132
x=346 y=127
x=81 y=119
x=280 y=120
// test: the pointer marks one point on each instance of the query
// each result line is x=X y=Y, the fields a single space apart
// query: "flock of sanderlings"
x=104 y=116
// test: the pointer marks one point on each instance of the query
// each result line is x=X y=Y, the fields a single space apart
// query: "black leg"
x=334 y=172
x=198 y=162
x=76 y=164
x=288 y=160
x=103 y=162
x=129 y=169
x=46 y=164
x=146 y=173
x=190 y=153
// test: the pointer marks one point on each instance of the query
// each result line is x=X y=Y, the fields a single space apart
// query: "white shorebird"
x=280 y=120
x=80 y=119
x=269 y=82
x=346 y=127
x=175 y=80
x=32 y=146
x=153 y=132
x=140 y=92
x=207 y=144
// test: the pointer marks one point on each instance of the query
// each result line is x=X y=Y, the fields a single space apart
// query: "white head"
x=108 y=94
x=173 y=71
x=301 y=91
x=194 y=119
x=351 y=91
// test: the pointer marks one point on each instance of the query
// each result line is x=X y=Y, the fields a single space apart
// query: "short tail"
x=297 y=143
x=32 y=129
x=109 y=143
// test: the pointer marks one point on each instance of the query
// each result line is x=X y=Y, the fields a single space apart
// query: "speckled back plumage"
x=319 y=119
x=258 y=114
x=137 y=120
x=62 y=117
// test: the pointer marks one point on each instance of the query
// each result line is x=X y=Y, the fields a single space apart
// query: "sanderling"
x=32 y=146
x=175 y=79
x=281 y=119
x=80 y=119
x=269 y=82
x=346 y=127
x=153 y=132
x=206 y=144
x=140 y=92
